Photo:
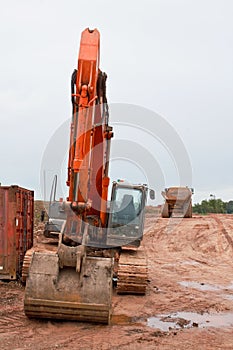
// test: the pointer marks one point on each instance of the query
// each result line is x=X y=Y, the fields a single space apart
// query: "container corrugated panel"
x=16 y=229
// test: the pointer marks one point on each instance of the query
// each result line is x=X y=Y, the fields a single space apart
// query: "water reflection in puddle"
x=178 y=320
x=190 y=319
x=156 y=322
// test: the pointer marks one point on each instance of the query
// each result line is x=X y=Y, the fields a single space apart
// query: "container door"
x=3 y=233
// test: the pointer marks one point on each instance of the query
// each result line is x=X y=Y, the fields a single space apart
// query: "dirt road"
x=188 y=305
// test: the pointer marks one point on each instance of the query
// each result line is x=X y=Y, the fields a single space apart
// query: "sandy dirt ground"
x=188 y=304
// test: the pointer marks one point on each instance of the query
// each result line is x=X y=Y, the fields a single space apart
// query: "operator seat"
x=127 y=209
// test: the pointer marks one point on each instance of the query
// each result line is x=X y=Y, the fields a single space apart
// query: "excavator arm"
x=90 y=133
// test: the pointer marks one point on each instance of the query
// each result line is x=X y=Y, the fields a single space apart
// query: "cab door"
x=126 y=217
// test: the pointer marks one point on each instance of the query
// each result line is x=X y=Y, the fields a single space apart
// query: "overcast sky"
x=171 y=57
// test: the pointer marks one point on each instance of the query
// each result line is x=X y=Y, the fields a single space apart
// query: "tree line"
x=213 y=206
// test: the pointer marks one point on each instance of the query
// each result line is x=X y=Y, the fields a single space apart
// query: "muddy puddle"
x=201 y=286
x=159 y=323
x=178 y=320
x=190 y=319
x=205 y=286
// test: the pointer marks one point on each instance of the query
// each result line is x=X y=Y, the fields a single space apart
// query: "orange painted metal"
x=80 y=146
x=90 y=134
x=16 y=229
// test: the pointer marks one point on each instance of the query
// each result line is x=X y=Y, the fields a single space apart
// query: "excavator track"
x=26 y=264
x=62 y=293
x=132 y=273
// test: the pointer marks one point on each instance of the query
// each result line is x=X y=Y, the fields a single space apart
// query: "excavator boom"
x=90 y=133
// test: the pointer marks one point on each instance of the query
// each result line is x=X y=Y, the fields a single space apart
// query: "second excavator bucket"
x=62 y=293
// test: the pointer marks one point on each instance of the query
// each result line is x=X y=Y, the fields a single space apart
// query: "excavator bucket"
x=62 y=293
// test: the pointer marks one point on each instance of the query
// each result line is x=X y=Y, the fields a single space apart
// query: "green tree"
x=229 y=207
x=212 y=206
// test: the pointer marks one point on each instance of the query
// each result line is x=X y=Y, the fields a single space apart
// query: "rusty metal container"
x=16 y=229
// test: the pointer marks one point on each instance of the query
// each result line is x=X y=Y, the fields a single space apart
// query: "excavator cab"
x=126 y=214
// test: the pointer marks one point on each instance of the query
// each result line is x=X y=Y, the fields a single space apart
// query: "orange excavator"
x=98 y=240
